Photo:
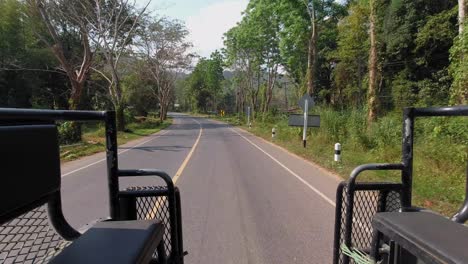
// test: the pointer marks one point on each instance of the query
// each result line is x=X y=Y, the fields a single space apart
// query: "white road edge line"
x=189 y=156
x=119 y=153
x=328 y=200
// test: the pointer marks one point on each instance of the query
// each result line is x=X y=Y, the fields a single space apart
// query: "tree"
x=300 y=32
x=62 y=20
x=312 y=50
x=113 y=26
x=306 y=29
x=459 y=66
x=243 y=54
x=164 y=49
x=459 y=63
x=352 y=55
x=266 y=21
x=253 y=52
x=61 y=26
x=461 y=15
x=372 y=99
x=205 y=82
x=138 y=90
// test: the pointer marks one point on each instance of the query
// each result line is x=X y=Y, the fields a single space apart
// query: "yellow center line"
x=152 y=213
x=189 y=156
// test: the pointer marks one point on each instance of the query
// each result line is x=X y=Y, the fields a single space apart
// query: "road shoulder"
x=318 y=178
x=71 y=166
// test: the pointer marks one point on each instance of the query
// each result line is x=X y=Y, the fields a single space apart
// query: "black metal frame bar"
x=409 y=117
x=338 y=216
x=54 y=206
x=406 y=168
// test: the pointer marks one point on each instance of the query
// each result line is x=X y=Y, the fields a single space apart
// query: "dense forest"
x=375 y=54
x=90 y=55
x=363 y=61
x=378 y=55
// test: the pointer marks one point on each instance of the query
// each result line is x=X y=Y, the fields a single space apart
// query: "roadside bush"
x=149 y=122
x=357 y=128
x=129 y=116
x=386 y=132
x=440 y=149
x=69 y=133
x=333 y=124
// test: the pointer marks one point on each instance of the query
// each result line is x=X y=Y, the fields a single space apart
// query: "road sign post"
x=304 y=121
x=304 y=132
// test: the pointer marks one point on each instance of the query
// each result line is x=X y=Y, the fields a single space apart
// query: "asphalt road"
x=244 y=200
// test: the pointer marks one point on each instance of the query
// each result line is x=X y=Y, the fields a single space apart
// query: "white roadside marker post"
x=337 y=152
x=273 y=133
x=304 y=132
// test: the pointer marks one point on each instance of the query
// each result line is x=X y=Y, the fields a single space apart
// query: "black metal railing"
x=357 y=203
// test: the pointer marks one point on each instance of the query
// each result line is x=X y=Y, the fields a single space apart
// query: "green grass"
x=93 y=139
x=439 y=159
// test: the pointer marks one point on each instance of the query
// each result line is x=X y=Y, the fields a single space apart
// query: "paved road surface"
x=244 y=200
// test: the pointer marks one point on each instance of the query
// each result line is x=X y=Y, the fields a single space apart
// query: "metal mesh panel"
x=366 y=205
x=29 y=238
x=393 y=202
x=154 y=207
x=344 y=205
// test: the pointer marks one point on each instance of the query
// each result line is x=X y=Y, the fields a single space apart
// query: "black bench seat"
x=115 y=242
x=430 y=237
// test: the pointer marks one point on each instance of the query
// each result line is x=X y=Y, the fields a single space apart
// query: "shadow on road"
x=159 y=148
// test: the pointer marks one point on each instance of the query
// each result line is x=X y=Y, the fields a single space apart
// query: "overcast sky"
x=206 y=20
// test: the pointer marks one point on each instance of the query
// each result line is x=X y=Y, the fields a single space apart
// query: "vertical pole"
x=304 y=132
x=273 y=133
x=180 y=238
x=338 y=223
x=112 y=164
x=462 y=215
x=286 y=106
x=128 y=210
x=248 y=117
x=407 y=153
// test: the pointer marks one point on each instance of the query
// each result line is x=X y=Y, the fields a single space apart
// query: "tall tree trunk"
x=117 y=98
x=463 y=95
x=253 y=102
x=270 y=86
x=74 y=134
x=120 y=117
x=312 y=56
x=164 y=104
x=237 y=101
x=286 y=106
x=372 y=100
x=75 y=95
x=461 y=15
x=76 y=77
x=161 y=113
